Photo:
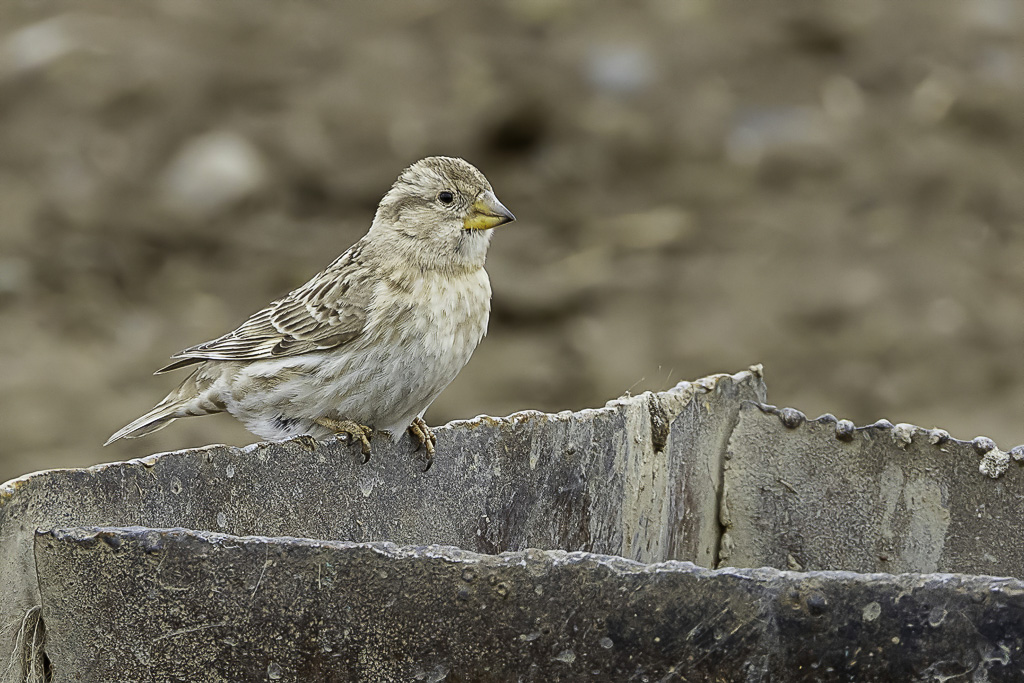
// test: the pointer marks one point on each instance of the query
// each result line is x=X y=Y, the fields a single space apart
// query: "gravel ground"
x=833 y=189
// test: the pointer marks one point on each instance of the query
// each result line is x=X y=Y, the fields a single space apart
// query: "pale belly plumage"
x=385 y=378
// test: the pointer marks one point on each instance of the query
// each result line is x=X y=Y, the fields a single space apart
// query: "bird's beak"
x=486 y=213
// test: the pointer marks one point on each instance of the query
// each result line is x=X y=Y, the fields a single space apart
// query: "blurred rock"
x=1002 y=66
x=756 y=132
x=933 y=97
x=658 y=228
x=37 y=45
x=14 y=275
x=620 y=69
x=827 y=28
x=999 y=16
x=210 y=173
x=842 y=99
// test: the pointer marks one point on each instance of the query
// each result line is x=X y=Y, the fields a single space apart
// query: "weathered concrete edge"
x=674 y=398
x=86 y=536
x=994 y=462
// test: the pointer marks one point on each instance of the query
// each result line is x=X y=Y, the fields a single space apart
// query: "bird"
x=369 y=342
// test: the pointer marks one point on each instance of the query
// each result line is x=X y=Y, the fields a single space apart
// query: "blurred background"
x=832 y=189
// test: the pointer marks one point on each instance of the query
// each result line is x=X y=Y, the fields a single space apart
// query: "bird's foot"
x=422 y=433
x=354 y=430
x=305 y=441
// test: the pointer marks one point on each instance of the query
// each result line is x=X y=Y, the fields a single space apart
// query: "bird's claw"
x=353 y=430
x=305 y=441
x=427 y=441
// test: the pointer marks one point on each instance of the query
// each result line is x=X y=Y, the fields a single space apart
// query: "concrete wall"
x=197 y=606
x=704 y=473
x=818 y=494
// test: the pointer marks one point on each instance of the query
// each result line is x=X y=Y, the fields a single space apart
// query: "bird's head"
x=442 y=208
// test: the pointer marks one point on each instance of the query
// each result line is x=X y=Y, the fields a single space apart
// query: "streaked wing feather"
x=326 y=312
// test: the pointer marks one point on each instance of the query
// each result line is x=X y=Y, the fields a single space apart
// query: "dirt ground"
x=832 y=189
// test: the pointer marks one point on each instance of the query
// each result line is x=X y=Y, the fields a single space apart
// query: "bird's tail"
x=156 y=419
x=182 y=402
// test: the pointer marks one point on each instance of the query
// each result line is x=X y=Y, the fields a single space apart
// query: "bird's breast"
x=442 y=307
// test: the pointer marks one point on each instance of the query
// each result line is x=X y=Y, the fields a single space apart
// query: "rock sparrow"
x=371 y=341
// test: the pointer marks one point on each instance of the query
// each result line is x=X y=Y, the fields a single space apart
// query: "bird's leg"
x=422 y=433
x=350 y=427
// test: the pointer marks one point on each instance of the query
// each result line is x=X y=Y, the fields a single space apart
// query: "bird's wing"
x=327 y=311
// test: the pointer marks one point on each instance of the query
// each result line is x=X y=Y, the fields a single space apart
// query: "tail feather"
x=184 y=401
x=158 y=418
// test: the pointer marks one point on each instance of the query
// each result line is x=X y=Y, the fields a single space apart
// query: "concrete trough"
x=590 y=545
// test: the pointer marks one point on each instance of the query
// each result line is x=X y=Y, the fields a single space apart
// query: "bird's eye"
x=446 y=197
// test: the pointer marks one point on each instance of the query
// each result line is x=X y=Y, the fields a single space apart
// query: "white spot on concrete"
x=902 y=434
x=994 y=463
